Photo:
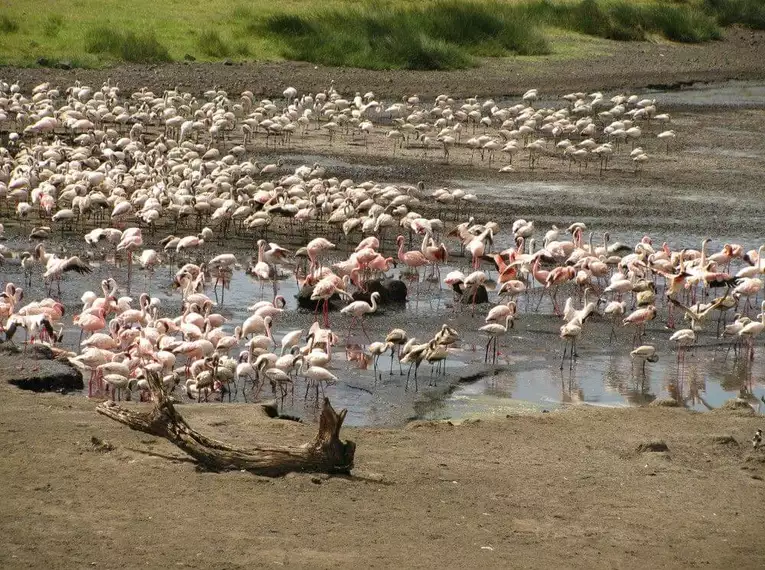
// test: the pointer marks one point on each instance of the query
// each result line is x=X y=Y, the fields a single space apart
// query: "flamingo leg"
x=563 y=358
x=350 y=328
x=361 y=321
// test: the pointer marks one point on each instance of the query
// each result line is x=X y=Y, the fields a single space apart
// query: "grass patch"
x=682 y=23
x=127 y=46
x=211 y=43
x=52 y=25
x=750 y=13
x=8 y=25
x=449 y=34
x=625 y=20
x=441 y=35
x=379 y=34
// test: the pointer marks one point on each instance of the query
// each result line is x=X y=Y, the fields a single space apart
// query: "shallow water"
x=527 y=376
x=728 y=94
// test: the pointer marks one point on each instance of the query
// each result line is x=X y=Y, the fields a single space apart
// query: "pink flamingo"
x=91 y=322
x=413 y=259
x=56 y=267
x=747 y=287
x=381 y=264
x=261 y=269
x=555 y=278
x=325 y=288
x=368 y=242
x=639 y=318
x=131 y=241
x=149 y=259
x=316 y=247
x=513 y=288
x=540 y=276
x=435 y=254
x=477 y=246
x=473 y=282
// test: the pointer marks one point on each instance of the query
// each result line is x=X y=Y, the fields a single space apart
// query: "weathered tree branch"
x=327 y=453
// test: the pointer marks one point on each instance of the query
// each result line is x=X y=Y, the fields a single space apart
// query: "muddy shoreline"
x=611 y=66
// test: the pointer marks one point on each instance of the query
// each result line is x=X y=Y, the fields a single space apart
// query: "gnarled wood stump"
x=326 y=454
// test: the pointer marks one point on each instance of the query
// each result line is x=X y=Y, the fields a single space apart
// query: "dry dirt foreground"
x=567 y=489
x=561 y=490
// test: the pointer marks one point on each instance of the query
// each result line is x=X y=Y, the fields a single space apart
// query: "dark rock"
x=101 y=445
x=474 y=295
x=391 y=291
x=189 y=57
x=228 y=62
x=37 y=370
x=64 y=64
x=43 y=62
x=653 y=446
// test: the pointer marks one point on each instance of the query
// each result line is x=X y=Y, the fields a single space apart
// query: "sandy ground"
x=565 y=489
x=561 y=489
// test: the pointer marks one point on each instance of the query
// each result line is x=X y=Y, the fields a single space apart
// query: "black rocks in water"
x=391 y=291
x=477 y=295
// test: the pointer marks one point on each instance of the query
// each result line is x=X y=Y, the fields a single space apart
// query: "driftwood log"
x=326 y=454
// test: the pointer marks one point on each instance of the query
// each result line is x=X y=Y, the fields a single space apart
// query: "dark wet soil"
x=619 y=65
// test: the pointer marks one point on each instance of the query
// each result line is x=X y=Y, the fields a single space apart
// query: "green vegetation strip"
x=430 y=34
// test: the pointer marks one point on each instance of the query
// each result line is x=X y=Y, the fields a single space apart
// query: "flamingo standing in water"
x=377 y=349
x=753 y=330
x=477 y=246
x=358 y=309
x=684 y=338
x=316 y=247
x=56 y=267
x=569 y=333
x=646 y=353
x=412 y=259
x=396 y=338
x=495 y=330
x=131 y=241
x=261 y=269
x=149 y=260
x=639 y=318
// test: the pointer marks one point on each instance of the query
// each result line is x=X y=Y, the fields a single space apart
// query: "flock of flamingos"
x=155 y=179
